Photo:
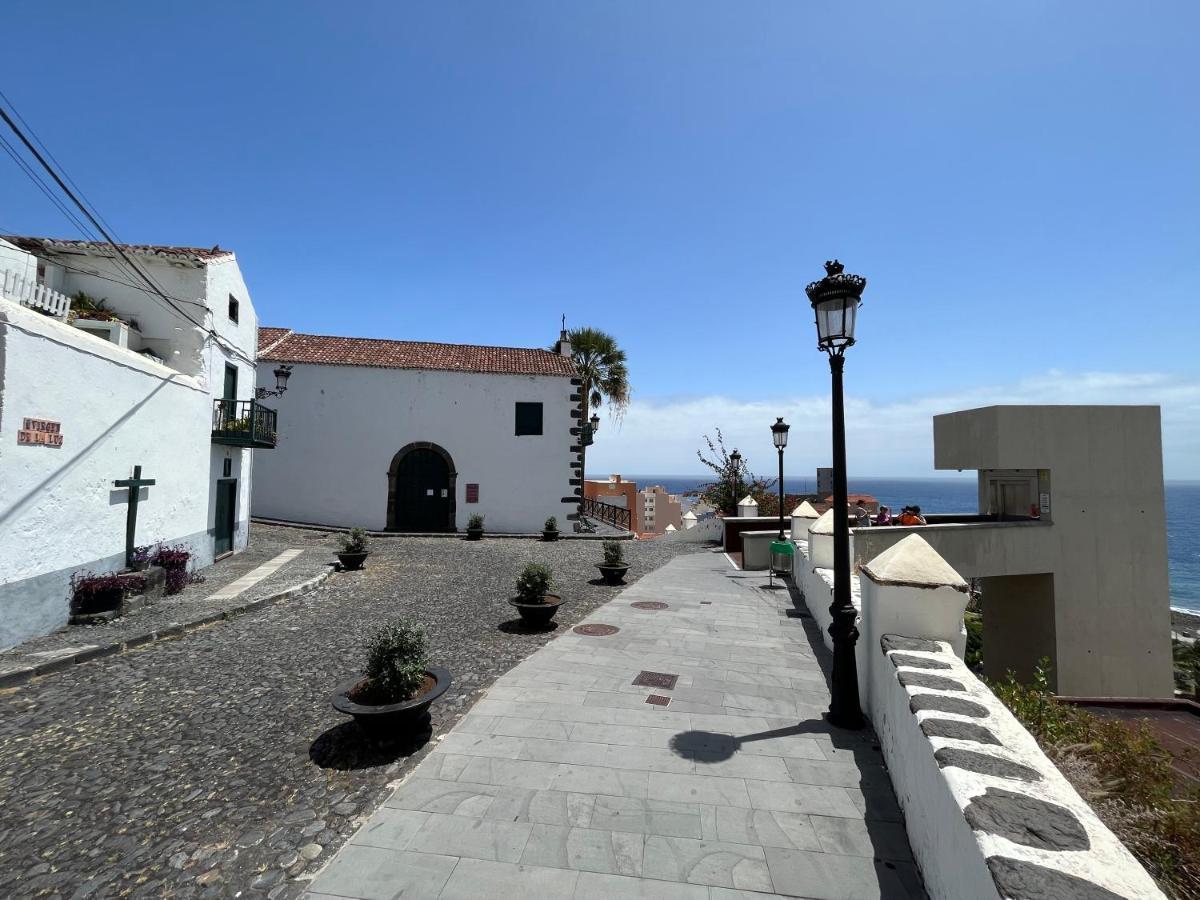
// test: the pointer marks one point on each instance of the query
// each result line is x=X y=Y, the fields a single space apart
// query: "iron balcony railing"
x=616 y=516
x=243 y=423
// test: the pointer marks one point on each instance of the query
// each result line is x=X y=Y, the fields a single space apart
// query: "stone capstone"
x=959 y=731
x=891 y=642
x=1021 y=880
x=958 y=705
x=1026 y=820
x=917 y=662
x=934 y=682
x=985 y=764
x=912 y=562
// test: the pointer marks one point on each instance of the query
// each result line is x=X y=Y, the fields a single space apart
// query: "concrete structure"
x=658 y=509
x=147 y=390
x=824 y=481
x=747 y=508
x=689 y=519
x=1086 y=583
x=416 y=437
x=803 y=517
x=616 y=491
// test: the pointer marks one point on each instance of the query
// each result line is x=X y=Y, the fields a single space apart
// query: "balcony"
x=243 y=423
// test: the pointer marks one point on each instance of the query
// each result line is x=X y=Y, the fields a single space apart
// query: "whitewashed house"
x=416 y=437
x=168 y=385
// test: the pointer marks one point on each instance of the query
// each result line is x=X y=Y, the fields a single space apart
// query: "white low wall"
x=704 y=531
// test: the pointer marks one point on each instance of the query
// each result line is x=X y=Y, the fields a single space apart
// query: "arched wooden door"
x=421 y=484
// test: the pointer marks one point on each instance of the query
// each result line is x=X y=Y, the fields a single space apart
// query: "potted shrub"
x=92 y=594
x=533 y=602
x=474 y=527
x=550 y=529
x=397 y=686
x=614 y=566
x=354 y=549
x=174 y=559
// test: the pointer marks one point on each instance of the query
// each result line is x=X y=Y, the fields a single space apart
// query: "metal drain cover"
x=596 y=630
x=656 y=679
x=649 y=604
x=658 y=700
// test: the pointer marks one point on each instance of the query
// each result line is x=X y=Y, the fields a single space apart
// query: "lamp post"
x=835 y=300
x=779 y=433
x=735 y=465
x=282 y=374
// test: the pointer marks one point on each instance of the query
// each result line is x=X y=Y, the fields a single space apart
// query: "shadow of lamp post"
x=835 y=300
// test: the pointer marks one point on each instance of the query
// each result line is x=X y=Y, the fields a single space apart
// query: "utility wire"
x=44 y=188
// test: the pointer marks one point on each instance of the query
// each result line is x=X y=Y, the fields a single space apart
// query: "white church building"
x=99 y=374
x=417 y=437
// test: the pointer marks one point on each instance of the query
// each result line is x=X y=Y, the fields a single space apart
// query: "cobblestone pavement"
x=212 y=764
x=192 y=602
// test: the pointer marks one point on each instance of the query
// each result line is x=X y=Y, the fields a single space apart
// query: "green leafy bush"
x=533 y=583
x=551 y=524
x=614 y=553
x=1124 y=773
x=355 y=541
x=475 y=522
x=396 y=661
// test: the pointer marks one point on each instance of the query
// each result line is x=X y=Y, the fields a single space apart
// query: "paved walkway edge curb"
x=446 y=535
x=21 y=676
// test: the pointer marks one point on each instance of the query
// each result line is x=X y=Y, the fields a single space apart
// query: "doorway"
x=421 y=486
x=225 y=516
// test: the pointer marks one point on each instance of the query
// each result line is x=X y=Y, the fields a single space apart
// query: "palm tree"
x=602 y=369
x=601 y=366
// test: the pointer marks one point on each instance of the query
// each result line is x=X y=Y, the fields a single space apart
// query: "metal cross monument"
x=135 y=485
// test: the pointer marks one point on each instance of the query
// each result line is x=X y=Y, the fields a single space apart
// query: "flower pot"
x=613 y=574
x=353 y=561
x=391 y=719
x=474 y=534
x=537 y=613
x=550 y=535
x=93 y=602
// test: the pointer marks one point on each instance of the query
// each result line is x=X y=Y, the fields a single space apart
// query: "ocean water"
x=959 y=495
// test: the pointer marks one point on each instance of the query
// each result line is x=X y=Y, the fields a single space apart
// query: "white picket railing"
x=21 y=289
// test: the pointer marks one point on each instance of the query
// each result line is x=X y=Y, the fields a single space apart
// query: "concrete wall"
x=59 y=511
x=1104 y=541
x=341 y=426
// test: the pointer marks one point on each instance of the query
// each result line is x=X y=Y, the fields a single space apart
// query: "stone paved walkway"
x=566 y=781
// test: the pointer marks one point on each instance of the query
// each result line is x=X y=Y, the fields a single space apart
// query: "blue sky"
x=1018 y=181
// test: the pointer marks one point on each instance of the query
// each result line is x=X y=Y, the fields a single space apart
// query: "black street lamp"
x=779 y=433
x=735 y=466
x=282 y=374
x=835 y=301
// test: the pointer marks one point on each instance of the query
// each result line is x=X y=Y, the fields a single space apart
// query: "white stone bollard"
x=803 y=517
x=747 y=507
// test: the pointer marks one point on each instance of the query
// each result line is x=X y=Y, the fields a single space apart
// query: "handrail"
x=617 y=516
x=244 y=422
x=37 y=296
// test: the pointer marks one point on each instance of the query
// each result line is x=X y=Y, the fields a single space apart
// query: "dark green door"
x=226 y=515
x=423 y=492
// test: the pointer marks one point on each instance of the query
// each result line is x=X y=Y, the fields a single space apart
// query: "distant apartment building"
x=824 y=481
x=658 y=509
x=617 y=492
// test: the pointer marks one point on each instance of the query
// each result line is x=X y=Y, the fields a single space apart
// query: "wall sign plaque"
x=41 y=432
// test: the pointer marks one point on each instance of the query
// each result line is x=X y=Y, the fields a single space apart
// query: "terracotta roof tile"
x=61 y=245
x=281 y=345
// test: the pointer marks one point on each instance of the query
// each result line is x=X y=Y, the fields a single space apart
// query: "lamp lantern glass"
x=835 y=300
x=779 y=433
x=595 y=422
x=282 y=374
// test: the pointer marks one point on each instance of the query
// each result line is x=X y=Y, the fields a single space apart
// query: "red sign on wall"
x=472 y=493
x=41 y=432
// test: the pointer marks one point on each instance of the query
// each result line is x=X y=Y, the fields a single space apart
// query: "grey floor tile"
x=543 y=808
x=455 y=798
x=857 y=837
x=390 y=829
x=369 y=873
x=647 y=816
x=699 y=789
x=830 y=876
x=802 y=798
x=484 y=770
x=585 y=849
x=493 y=745
x=475 y=879
x=764 y=768
x=815 y=771
x=599 y=780
x=706 y=862
x=617 y=887
x=766 y=828
x=474 y=838
x=518 y=727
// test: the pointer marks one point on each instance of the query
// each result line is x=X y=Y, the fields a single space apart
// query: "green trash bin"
x=783 y=554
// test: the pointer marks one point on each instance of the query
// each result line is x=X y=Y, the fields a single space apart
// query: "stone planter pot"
x=95 y=602
x=549 y=536
x=353 y=561
x=474 y=534
x=392 y=719
x=537 y=613
x=613 y=574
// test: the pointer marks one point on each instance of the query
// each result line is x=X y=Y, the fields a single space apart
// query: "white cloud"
x=660 y=436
